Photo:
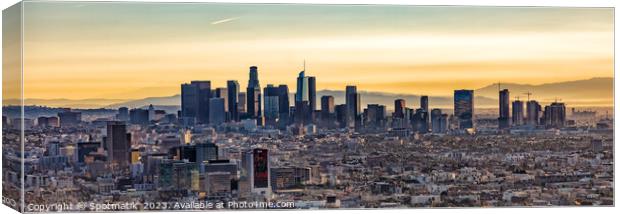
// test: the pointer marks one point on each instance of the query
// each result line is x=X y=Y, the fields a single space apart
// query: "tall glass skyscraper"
x=217 y=111
x=533 y=112
x=518 y=116
x=312 y=94
x=464 y=108
x=424 y=103
x=272 y=106
x=555 y=115
x=305 y=98
x=118 y=143
x=253 y=94
x=352 y=100
x=327 y=107
x=195 y=102
x=424 y=106
x=504 y=109
x=302 y=88
x=399 y=108
x=233 y=96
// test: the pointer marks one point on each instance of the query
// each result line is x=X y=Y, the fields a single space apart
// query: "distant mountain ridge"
x=65 y=103
x=594 y=91
x=174 y=100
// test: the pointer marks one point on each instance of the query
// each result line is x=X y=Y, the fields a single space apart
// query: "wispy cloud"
x=224 y=20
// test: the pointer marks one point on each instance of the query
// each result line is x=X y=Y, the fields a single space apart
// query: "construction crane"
x=528 y=95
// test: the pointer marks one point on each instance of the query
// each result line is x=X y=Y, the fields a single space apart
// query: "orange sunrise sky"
x=134 y=50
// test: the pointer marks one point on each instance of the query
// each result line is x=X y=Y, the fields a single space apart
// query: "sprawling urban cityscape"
x=138 y=106
x=259 y=149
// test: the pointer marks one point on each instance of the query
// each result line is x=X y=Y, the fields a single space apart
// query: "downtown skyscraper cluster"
x=271 y=107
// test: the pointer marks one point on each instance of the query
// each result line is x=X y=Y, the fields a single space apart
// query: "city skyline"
x=543 y=93
x=392 y=49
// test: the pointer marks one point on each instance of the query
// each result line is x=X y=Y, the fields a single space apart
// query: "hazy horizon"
x=596 y=92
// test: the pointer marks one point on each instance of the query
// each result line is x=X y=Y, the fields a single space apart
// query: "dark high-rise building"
x=195 y=102
x=341 y=115
x=222 y=93
x=284 y=106
x=243 y=98
x=419 y=121
x=305 y=98
x=301 y=95
x=533 y=112
x=504 y=109
x=312 y=93
x=272 y=105
x=439 y=123
x=357 y=119
x=189 y=103
x=254 y=173
x=444 y=125
x=118 y=143
x=399 y=108
x=69 y=118
x=232 y=87
x=518 y=116
x=253 y=95
x=123 y=114
x=555 y=115
x=424 y=107
x=204 y=94
x=260 y=168
x=352 y=100
x=375 y=116
x=139 y=116
x=464 y=108
x=217 y=111
x=435 y=115
x=327 y=107
x=424 y=103
x=302 y=110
